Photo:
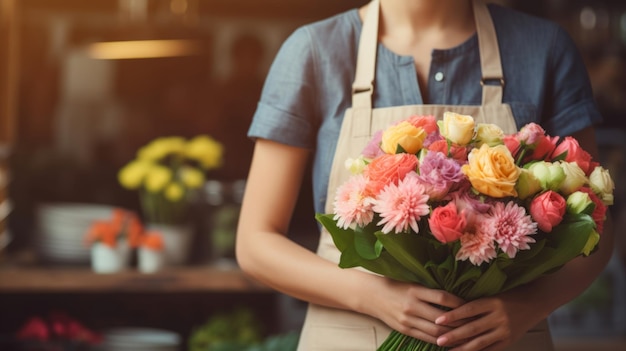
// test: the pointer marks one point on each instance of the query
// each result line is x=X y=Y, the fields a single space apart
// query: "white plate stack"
x=61 y=231
x=140 y=339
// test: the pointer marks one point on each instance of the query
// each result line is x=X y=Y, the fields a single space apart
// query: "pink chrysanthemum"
x=511 y=227
x=351 y=205
x=478 y=247
x=401 y=206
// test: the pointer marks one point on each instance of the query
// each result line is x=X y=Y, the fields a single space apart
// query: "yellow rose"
x=132 y=175
x=405 y=135
x=574 y=177
x=206 y=150
x=174 y=192
x=457 y=128
x=157 y=178
x=602 y=184
x=490 y=134
x=492 y=171
x=191 y=177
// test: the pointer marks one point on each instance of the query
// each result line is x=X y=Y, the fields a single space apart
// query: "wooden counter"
x=15 y=279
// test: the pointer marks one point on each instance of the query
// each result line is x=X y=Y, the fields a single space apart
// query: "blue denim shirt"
x=308 y=87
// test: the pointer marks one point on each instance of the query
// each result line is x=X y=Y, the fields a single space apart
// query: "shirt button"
x=439 y=76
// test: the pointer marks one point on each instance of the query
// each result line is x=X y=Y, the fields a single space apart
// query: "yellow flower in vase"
x=166 y=171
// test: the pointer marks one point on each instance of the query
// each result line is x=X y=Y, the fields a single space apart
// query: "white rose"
x=602 y=184
x=575 y=177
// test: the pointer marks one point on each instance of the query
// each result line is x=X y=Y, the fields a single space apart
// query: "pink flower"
x=401 y=206
x=388 y=169
x=439 y=174
x=599 y=213
x=372 y=149
x=351 y=203
x=512 y=143
x=547 y=210
x=34 y=329
x=458 y=153
x=478 y=247
x=530 y=133
x=446 y=223
x=473 y=207
x=574 y=153
x=543 y=148
x=428 y=123
x=510 y=227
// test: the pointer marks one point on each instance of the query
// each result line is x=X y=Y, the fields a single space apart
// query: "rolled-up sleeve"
x=287 y=109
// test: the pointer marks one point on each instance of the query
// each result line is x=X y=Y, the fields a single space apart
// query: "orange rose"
x=388 y=169
x=492 y=171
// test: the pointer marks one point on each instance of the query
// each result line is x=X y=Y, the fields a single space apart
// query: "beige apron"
x=330 y=329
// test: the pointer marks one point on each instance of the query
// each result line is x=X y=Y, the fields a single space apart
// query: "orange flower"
x=153 y=240
x=101 y=231
x=123 y=223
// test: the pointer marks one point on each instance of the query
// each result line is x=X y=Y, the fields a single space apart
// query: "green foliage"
x=225 y=332
x=420 y=258
x=238 y=331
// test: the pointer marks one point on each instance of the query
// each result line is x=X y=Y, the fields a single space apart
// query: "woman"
x=321 y=100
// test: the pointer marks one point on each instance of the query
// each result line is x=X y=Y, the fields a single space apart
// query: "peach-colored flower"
x=388 y=169
x=492 y=171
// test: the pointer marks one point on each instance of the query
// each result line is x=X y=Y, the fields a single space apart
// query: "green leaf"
x=341 y=237
x=489 y=283
x=385 y=265
x=366 y=244
x=471 y=273
x=410 y=250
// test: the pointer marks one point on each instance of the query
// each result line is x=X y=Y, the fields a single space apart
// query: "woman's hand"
x=491 y=324
x=410 y=308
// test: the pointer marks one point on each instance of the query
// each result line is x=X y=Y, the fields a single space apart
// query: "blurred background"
x=84 y=85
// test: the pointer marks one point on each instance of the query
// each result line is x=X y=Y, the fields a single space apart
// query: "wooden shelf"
x=83 y=280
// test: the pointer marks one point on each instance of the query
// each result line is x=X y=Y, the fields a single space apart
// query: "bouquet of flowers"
x=460 y=206
x=166 y=171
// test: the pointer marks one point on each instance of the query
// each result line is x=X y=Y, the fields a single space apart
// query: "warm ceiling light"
x=137 y=49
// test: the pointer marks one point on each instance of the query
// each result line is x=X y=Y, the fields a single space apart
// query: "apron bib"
x=328 y=329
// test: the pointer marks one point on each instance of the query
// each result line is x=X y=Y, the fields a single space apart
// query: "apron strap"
x=491 y=66
x=490 y=62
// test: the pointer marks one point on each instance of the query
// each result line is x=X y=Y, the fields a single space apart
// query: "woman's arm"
x=501 y=320
x=265 y=253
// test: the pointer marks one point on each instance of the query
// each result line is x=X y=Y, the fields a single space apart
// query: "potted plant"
x=150 y=253
x=111 y=241
x=167 y=173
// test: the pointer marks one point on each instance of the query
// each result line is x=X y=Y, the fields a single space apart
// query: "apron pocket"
x=341 y=338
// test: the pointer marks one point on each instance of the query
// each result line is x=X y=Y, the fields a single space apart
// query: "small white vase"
x=176 y=242
x=106 y=259
x=149 y=260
